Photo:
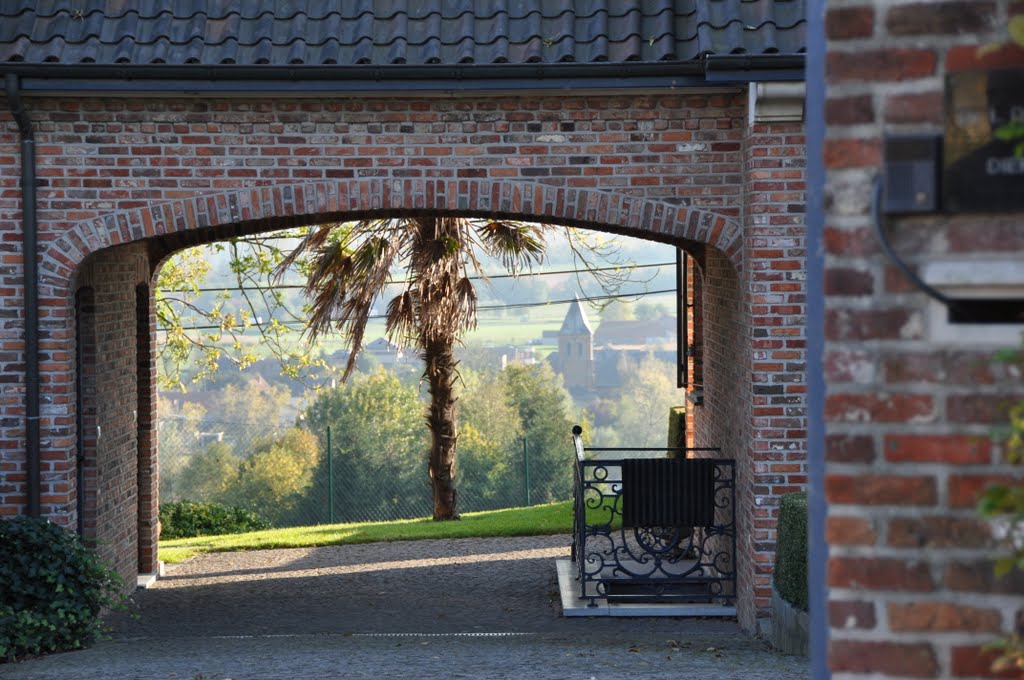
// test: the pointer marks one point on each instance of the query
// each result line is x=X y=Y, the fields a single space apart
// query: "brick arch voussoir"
x=281 y=205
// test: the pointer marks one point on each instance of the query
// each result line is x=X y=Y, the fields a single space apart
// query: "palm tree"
x=350 y=265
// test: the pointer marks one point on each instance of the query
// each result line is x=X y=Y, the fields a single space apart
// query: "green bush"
x=187 y=519
x=791 y=550
x=676 y=429
x=52 y=589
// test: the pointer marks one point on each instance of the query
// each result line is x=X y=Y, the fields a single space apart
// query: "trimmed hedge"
x=52 y=589
x=188 y=519
x=676 y=428
x=791 y=550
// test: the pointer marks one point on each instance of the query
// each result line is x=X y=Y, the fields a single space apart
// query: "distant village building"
x=591 y=362
x=497 y=357
x=635 y=332
x=385 y=352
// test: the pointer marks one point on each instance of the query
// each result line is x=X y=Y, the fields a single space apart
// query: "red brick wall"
x=184 y=171
x=909 y=415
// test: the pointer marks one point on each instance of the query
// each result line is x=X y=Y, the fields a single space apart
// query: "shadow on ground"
x=459 y=608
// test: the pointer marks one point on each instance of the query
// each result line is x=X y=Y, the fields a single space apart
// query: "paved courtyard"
x=467 y=608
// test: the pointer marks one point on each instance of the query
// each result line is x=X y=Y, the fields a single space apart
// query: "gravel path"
x=467 y=608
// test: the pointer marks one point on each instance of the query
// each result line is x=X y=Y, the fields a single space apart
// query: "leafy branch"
x=198 y=332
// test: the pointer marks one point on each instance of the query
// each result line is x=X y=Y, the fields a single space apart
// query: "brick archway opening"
x=106 y=274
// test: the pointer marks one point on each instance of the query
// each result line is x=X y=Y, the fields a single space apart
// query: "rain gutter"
x=708 y=71
x=31 y=291
x=753 y=68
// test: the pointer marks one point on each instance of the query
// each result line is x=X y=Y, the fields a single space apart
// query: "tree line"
x=513 y=449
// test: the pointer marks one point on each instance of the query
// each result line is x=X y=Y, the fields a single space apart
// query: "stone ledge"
x=146 y=580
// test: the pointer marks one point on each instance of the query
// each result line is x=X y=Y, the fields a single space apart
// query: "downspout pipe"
x=29 y=226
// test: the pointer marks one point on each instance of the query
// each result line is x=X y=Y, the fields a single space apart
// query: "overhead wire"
x=219 y=289
x=514 y=305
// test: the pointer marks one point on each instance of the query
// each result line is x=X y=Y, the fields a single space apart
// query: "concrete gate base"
x=573 y=605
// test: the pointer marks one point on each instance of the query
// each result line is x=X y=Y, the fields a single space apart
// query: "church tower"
x=576 y=349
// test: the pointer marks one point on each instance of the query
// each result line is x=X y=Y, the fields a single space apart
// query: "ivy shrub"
x=188 y=519
x=791 y=550
x=52 y=589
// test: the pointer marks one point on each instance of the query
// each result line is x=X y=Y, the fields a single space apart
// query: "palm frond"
x=517 y=245
x=313 y=240
x=327 y=287
x=400 y=322
x=465 y=302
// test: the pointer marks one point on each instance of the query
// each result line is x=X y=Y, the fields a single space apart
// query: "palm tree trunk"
x=439 y=357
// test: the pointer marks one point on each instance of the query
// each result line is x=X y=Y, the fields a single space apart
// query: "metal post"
x=330 y=478
x=526 y=470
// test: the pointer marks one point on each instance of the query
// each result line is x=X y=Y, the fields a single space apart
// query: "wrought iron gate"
x=654 y=524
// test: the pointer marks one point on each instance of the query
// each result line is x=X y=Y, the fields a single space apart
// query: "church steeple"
x=576 y=349
x=575 y=322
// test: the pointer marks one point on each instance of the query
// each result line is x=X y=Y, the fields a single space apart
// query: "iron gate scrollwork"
x=654 y=524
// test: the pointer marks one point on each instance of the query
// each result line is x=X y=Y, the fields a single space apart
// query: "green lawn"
x=554 y=518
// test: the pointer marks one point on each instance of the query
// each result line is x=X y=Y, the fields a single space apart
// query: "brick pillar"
x=775 y=309
x=723 y=419
x=110 y=394
x=694 y=311
x=148 y=469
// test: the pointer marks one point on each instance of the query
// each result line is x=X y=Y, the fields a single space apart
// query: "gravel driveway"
x=466 y=608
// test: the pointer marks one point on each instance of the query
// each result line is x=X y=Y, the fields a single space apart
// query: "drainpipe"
x=31 y=297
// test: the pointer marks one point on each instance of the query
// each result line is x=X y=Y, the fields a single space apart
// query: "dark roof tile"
x=382 y=32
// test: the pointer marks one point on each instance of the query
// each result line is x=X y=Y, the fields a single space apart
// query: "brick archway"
x=93 y=253
x=264 y=208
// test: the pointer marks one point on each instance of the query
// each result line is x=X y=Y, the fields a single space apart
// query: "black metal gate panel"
x=654 y=525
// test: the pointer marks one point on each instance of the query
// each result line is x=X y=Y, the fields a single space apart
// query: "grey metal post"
x=330 y=478
x=526 y=471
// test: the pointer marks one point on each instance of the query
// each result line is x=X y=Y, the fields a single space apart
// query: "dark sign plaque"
x=984 y=141
x=983 y=150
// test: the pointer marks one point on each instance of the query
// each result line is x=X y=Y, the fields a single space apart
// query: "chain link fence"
x=285 y=475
